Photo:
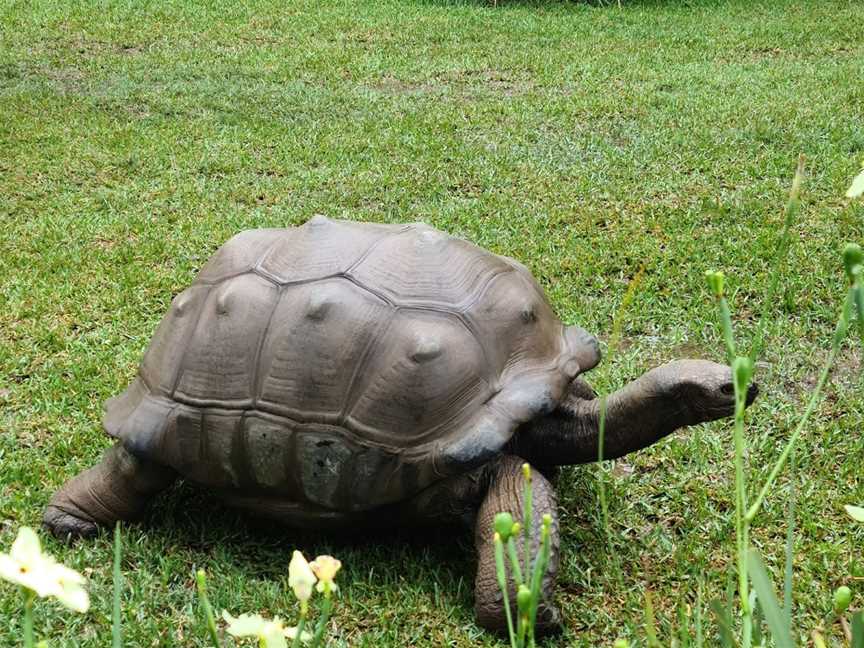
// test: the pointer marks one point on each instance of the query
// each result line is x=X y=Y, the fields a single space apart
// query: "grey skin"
x=665 y=399
x=348 y=374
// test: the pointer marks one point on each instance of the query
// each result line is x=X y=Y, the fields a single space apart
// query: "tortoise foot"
x=67 y=526
x=493 y=618
x=549 y=621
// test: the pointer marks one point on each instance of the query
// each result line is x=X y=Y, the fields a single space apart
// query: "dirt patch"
x=459 y=82
x=393 y=86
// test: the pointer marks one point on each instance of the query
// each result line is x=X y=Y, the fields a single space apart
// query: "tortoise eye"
x=728 y=389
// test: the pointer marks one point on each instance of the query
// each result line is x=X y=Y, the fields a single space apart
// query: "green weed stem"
x=501 y=573
x=839 y=335
x=29 y=598
x=299 y=636
x=793 y=206
x=210 y=621
x=116 y=616
x=326 y=607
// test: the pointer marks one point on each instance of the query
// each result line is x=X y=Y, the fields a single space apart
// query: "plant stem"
x=540 y=565
x=514 y=561
x=601 y=480
x=742 y=525
x=201 y=580
x=788 y=574
x=782 y=249
x=29 y=597
x=839 y=334
x=322 y=621
x=726 y=326
x=300 y=626
x=116 y=620
x=501 y=573
x=528 y=519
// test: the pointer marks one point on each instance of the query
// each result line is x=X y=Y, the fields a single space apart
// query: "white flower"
x=325 y=568
x=856 y=190
x=300 y=577
x=27 y=566
x=855 y=512
x=271 y=634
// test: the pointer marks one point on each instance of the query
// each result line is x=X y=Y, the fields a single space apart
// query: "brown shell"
x=346 y=365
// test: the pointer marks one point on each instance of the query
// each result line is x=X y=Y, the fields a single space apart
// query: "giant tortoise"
x=343 y=372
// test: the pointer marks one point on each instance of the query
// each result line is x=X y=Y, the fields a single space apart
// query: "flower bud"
x=523 y=599
x=621 y=643
x=517 y=529
x=853 y=258
x=526 y=471
x=715 y=282
x=547 y=521
x=842 y=599
x=504 y=525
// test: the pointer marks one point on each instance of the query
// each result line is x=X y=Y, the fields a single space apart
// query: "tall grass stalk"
x=528 y=578
x=29 y=599
x=837 y=340
x=614 y=341
x=206 y=608
x=116 y=617
x=742 y=368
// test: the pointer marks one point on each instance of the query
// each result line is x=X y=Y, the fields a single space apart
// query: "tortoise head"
x=703 y=388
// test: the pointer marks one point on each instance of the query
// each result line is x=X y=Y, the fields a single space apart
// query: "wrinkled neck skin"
x=637 y=416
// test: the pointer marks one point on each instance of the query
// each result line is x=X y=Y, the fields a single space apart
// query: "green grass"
x=584 y=141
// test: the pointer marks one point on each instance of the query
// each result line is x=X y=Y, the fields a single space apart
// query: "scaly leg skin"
x=505 y=493
x=117 y=488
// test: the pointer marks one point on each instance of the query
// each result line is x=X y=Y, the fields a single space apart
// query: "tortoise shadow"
x=438 y=562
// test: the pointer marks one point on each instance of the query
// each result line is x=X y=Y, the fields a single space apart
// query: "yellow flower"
x=27 y=566
x=300 y=577
x=271 y=634
x=325 y=568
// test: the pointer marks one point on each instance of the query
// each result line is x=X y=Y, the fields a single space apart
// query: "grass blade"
x=724 y=624
x=757 y=620
x=790 y=540
x=650 y=622
x=700 y=637
x=858 y=630
x=683 y=625
x=764 y=588
x=206 y=608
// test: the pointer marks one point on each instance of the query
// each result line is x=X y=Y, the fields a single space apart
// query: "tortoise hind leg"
x=505 y=494
x=117 y=488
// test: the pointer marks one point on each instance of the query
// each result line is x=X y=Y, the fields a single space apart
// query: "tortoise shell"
x=346 y=365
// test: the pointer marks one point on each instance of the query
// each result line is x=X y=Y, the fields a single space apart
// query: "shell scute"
x=238 y=254
x=422 y=266
x=320 y=248
x=319 y=334
x=429 y=373
x=219 y=366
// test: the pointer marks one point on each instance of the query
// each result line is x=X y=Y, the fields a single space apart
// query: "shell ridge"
x=353 y=393
x=257 y=266
x=262 y=339
x=375 y=244
x=370 y=290
x=491 y=378
x=178 y=370
x=481 y=291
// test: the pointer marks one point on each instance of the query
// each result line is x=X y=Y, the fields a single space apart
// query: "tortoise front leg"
x=505 y=493
x=117 y=488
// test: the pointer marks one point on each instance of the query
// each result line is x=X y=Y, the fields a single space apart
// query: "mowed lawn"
x=585 y=141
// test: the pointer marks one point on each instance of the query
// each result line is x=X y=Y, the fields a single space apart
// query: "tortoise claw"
x=66 y=526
